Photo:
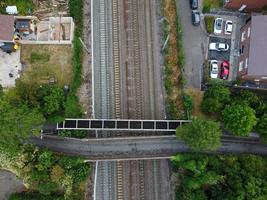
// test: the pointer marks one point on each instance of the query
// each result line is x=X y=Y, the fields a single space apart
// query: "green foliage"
x=51 y=98
x=210 y=4
x=73 y=133
x=1 y=91
x=215 y=98
x=220 y=177
x=200 y=134
x=17 y=124
x=72 y=106
x=188 y=104
x=35 y=196
x=261 y=127
x=75 y=9
x=39 y=57
x=238 y=119
x=209 y=20
x=25 y=7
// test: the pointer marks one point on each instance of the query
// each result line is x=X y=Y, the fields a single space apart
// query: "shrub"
x=73 y=133
x=209 y=21
x=201 y=134
x=238 y=119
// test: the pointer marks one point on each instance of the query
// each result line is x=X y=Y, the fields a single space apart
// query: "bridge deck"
x=121 y=124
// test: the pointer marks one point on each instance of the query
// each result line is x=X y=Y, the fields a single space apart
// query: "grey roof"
x=257 y=62
x=6 y=27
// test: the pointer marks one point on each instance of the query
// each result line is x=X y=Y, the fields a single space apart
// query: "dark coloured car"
x=195 y=18
x=194 y=4
x=225 y=70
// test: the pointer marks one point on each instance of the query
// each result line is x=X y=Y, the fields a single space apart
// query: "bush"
x=201 y=134
x=73 y=133
x=238 y=119
x=209 y=21
x=35 y=196
x=215 y=98
x=210 y=4
x=261 y=127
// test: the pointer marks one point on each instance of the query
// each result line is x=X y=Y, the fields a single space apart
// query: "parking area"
x=220 y=55
x=231 y=39
x=10 y=68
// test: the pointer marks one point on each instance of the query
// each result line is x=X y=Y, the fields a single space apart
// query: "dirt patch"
x=55 y=67
x=197 y=97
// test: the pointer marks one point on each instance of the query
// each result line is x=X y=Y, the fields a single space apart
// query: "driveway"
x=195 y=42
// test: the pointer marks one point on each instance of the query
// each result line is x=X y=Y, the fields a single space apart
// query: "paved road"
x=137 y=147
x=195 y=41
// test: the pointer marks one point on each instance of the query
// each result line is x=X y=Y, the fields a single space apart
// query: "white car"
x=218 y=26
x=217 y=46
x=214 y=69
x=228 y=27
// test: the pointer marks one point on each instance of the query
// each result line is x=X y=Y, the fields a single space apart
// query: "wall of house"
x=243 y=60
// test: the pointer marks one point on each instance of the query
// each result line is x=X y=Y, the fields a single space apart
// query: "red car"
x=224 y=70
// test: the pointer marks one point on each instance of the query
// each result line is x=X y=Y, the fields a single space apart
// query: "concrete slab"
x=9 y=64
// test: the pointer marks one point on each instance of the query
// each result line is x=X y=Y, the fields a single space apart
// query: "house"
x=6 y=28
x=247 y=5
x=252 y=61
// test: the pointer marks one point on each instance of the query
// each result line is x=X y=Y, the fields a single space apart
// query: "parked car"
x=214 y=69
x=194 y=4
x=217 y=46
x=195 y=18
x=225 y=66
x=228 y=27
x=218 y=25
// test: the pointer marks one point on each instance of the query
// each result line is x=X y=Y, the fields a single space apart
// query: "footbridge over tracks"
x=121 y=124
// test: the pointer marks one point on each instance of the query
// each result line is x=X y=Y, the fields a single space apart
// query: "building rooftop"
x=6 y=27
x=258 y=46
x=250 y=4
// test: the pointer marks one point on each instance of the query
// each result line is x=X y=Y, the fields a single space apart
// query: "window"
x=246 y=66
x=243 y=36
x=241 y=66
x=248 y=32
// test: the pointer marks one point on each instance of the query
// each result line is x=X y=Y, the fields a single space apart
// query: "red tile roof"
x=252 y=5
x=6 y=27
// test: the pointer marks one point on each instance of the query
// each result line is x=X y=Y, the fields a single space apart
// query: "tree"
x=201 y=134
x=261 y=127
x=215 y=98
x=238 y=119
x=17 y=123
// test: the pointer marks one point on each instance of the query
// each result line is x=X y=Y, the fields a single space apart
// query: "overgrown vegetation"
x=73 y=133
x=209 y=21
x=240 y=112
x=25 y=7
x=174 y=61
x=211 y=4
x=202 y=177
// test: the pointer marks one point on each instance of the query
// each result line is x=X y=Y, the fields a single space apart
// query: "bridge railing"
x=121 y=124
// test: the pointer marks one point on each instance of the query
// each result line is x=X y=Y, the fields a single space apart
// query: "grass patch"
x=209 y=22
x=25 y=7
x=39 y=57
x=44 y=62
x=210 y=4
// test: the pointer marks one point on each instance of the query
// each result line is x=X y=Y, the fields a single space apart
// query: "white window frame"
x=248 y=32
x=241 y=66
